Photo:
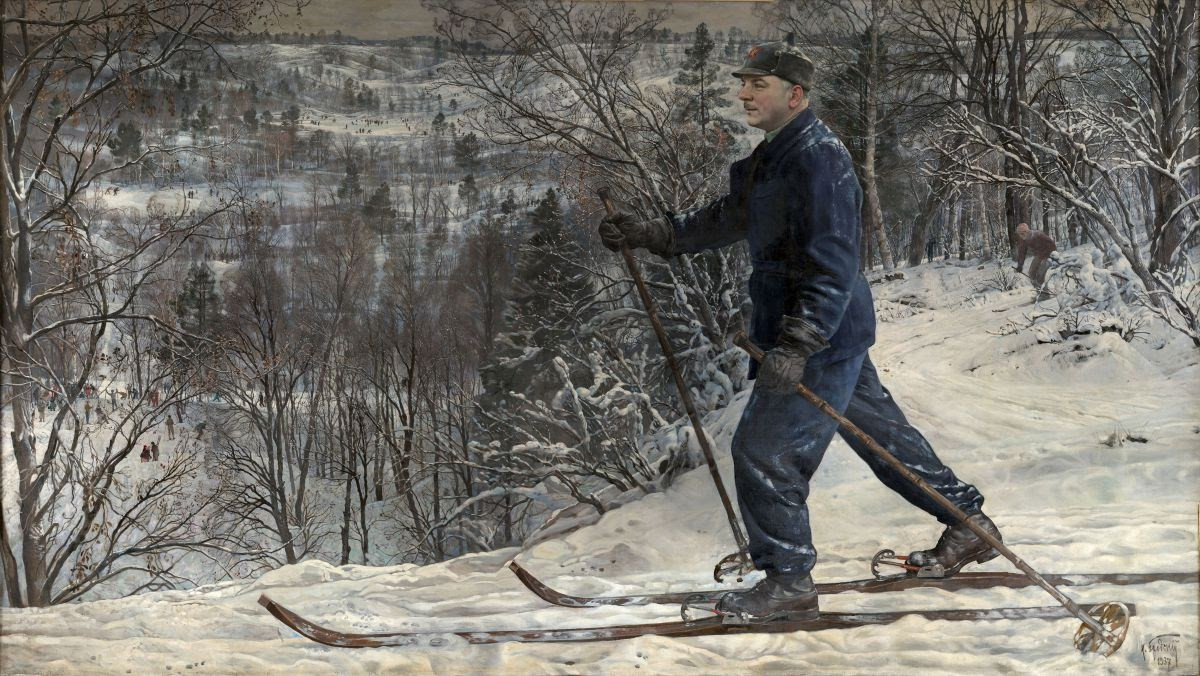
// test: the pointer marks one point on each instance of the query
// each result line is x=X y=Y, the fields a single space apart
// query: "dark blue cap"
x=781 y=60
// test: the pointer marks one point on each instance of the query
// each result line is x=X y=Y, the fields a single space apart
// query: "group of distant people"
x=51 y=399
x=150 y=451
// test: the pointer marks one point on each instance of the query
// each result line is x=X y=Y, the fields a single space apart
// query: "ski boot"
x=776 y=597
x=958 y=546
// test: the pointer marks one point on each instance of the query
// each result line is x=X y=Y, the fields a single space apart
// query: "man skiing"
x=797 y=202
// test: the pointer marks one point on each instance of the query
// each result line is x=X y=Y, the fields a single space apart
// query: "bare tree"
x=262 y=364
x=94 y=59
x=1110 y=127
x=451 y=405
x=277 y=339
x=852 y=37
x=413 y=297
x=558 y=79
x=483 y=278
x=1159 y=41
x=978 y=53
x=351 y=433
x=141 y=526
x=419 y=183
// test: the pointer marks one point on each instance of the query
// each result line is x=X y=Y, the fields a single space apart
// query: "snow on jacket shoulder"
x=797 y=202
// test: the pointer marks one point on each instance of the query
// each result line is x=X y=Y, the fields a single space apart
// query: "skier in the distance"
x=797 y=201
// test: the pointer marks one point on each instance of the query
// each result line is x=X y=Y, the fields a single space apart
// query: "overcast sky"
x=381 y=19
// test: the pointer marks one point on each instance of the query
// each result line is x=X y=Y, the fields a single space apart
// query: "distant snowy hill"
x=1086 y=447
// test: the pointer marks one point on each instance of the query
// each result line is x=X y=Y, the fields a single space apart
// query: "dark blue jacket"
x=798 y=203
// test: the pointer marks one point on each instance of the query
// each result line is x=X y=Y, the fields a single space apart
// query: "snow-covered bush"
x=891 y=309
x=1177 y=300
x=1093 y=293
x=1088 y=277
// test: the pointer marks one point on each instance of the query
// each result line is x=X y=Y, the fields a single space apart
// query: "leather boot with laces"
x=958 y=546
x=776 y=597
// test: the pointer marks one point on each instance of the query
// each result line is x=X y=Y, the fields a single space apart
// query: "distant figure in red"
x=145 y=452
x=1042 y=245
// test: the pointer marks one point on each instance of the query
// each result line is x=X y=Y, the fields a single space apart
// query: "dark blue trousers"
x=781 y=439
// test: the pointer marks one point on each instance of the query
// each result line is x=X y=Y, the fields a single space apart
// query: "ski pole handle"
x=605 y=196
x=743 y=341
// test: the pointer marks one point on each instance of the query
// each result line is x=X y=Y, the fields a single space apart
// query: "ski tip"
x=265 y=601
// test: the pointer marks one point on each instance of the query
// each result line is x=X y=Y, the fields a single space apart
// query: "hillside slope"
x=1087 y=451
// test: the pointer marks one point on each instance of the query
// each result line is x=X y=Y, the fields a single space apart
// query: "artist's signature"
x=1162 y=652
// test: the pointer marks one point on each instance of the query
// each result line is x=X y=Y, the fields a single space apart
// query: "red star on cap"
x=754 y=51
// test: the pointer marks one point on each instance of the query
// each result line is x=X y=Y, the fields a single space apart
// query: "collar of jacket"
x=791 y=132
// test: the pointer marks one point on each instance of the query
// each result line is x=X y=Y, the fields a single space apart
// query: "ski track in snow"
x=1025 y=425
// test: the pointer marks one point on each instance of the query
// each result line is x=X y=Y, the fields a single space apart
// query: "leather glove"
x=783 y=367
x=623 y=228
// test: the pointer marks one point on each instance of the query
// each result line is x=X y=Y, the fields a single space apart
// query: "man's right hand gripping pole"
x=621 y=228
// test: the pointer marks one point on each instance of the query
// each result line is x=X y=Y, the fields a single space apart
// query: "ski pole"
x=743 y=341
x=684 y=395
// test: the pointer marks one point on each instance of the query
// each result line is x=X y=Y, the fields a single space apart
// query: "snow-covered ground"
x=1041 y=427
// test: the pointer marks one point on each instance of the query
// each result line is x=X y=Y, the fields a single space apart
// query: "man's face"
x=769 y=100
